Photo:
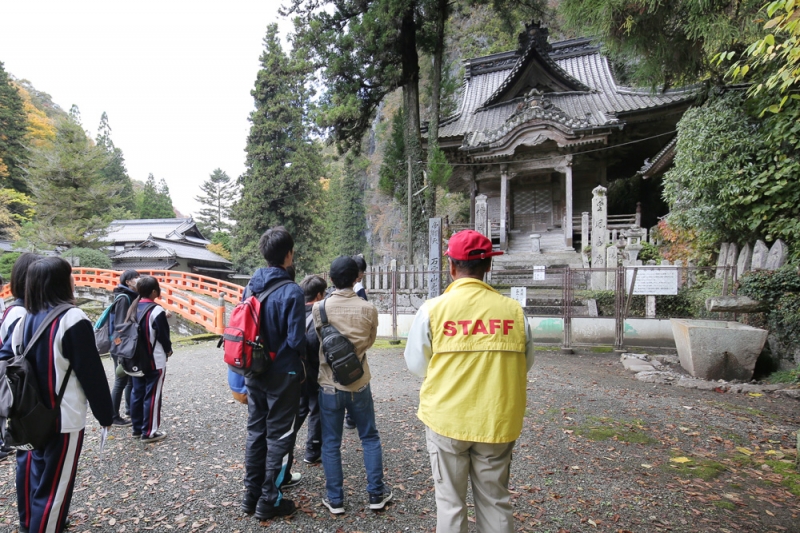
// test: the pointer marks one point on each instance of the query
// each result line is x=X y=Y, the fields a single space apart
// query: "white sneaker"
x=291 y=482
x=333 y=508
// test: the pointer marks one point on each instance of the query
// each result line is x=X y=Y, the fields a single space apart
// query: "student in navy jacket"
x=15 y=311
x=147 y=389
x=273 y=398
x=46 y=478
x=124 y=295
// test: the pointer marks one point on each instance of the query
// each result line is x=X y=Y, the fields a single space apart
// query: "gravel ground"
x=599 y=451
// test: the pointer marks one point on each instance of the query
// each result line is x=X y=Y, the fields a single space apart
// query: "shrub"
x=650 y=252
x=780 y=290
x=6 y=262
x=88 y=258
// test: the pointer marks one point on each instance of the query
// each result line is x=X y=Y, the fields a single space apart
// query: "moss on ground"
x=605 y=428
x=722 y=504
x=382 y=344
x=791 y=476
x=705 y=469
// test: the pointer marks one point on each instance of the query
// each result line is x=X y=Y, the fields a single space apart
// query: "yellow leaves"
x=41 y=129
x=755 y=394
x=680 y=460
x=219 y=250
x=744 y=451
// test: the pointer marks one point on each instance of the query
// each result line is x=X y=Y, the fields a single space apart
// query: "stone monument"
x=434 y=257
x=777 y=256
x=482 y=215
x=745 y=259
x=760 y=252
x=599 y=236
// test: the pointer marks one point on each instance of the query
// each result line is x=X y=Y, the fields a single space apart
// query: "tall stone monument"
x=434 y=257
x=760 y=252
x=599 y=236
x=744 y=261
x=777 y=255
x=482 y=215
x=722 y=260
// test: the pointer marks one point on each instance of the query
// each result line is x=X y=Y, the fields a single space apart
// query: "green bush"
x=6 y=263
x=650 y=252
x=88 y=258
x=780 y=290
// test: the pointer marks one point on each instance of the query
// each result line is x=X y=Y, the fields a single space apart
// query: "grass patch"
x=785 y=376
x=602 y=349
x=599 y=429
x=740 y=409
x=197 y=338
x=705 y=469
x=722 y=504
x=791 y=476
x=382 y=344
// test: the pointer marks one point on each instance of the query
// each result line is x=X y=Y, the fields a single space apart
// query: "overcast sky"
x=173 y=76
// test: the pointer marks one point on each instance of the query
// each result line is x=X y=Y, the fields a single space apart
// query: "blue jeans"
x=332 y=404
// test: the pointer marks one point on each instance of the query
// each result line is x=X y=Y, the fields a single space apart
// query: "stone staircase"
x=554 y=253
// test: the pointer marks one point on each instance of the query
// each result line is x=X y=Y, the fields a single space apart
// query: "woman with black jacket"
x=124 y=295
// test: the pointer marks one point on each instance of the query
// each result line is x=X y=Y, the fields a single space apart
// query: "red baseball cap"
x=468 y=244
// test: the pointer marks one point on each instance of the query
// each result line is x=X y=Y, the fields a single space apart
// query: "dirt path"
x=600 y=451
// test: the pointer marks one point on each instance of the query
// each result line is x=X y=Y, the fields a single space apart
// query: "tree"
x=74 y=202
x=114 y=171
x=346 y=218
x=155 y=202
x=664 y=44
x=281 y=184
x=13 y=128
x=220 y=193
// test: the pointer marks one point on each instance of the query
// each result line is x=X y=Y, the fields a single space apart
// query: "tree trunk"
x=436 y=95
x=410 y=75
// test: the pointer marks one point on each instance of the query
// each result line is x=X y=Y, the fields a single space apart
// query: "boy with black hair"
x=273 y=397
x=147 y=389
x=314 y=290
x=358 y=287
x=358 y=321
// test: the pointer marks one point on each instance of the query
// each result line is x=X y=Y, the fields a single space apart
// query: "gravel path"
x=598 y=453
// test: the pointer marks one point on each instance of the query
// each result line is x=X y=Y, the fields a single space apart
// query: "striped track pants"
x=45 y=479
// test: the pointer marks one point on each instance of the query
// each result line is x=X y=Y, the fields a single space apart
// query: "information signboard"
x=652 y=280
x=538 y=273
x=520 y=294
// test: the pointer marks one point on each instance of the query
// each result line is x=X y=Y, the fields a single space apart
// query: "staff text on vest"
x=452 y=327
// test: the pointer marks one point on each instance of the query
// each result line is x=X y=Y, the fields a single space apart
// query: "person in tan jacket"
x=357 y=320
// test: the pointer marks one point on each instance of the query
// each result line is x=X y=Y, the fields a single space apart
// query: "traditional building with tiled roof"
x=538 y=128
x=164 y=244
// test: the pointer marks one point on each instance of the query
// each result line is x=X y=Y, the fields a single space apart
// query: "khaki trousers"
x=453 y=462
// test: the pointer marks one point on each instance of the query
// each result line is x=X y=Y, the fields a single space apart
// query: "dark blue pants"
x=45 y=479
x=146 y=402
x=272 y=403
x=309 y=409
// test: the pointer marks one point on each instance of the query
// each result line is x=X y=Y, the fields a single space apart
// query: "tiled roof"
x=138 y=230
x=659 y=161
x=600 y=104
x=142 y=265
x=154 y=248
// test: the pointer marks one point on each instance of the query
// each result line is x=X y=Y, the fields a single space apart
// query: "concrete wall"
x=652 y=333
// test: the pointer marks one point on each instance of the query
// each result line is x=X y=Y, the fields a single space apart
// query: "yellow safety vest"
x=474 y=389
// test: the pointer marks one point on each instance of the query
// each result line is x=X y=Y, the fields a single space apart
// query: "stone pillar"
x=599 y=236
x=612 y=257
x=721 y=260
x=777 y=255
x=760 y=252
x=744 y=261
x=434 y=257
x=482 y=215
x=730 y=260
x=638 y=219
x=536 y=243
x=503 y=202
x=650 y=306
x=568 y=213
x=584 y=235
x=681 y=276
x=473 y=192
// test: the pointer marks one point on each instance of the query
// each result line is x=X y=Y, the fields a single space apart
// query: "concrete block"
x=734 y=304
x=710 y=349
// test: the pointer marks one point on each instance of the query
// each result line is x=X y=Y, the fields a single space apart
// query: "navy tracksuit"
x=273 y=398
x=46 y=478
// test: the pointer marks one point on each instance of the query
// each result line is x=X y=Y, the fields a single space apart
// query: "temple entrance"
x=532 y=205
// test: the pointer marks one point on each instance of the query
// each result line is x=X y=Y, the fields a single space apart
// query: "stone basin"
x=714 y=349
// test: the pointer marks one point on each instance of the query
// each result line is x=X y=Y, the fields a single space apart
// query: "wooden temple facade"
x=537 y=129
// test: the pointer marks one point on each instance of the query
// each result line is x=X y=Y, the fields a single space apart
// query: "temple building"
x=537 y=129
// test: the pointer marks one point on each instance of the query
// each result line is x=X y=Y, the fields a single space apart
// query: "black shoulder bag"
x=340 y=354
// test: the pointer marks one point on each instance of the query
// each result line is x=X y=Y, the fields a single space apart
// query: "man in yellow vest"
x=474 y=348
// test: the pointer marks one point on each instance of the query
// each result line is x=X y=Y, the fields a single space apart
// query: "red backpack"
x=245 y=348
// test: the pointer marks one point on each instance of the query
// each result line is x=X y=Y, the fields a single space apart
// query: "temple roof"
x=155 y=248
x=659 y=162
x=137 y=230
x=568 y=85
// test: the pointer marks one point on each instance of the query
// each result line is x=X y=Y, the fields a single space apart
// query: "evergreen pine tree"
x=220 y=193
x=281 y=185
x=74 y=202
x=13 y=123
x=155 y=202
x=347 y=223
x=114 y=171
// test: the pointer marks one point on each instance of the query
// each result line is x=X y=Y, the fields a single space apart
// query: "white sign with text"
x=652 y=280
x=538 y=273
x=520 y=294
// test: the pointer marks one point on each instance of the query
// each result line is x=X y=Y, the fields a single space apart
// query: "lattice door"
x=533 y=206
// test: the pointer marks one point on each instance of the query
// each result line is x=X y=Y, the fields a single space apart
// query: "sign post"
x=520 y=294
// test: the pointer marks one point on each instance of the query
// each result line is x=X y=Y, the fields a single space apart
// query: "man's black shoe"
x=348 y=423
x=248 y=505
x=266 y=511
x=379 y=501
x=312 y=459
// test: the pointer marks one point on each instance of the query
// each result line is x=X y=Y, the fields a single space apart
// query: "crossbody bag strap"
x=322 y=314
x=130 y=316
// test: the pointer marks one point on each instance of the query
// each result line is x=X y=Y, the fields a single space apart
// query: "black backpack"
x=129 y=341
x=31 y=424
x=340 y=354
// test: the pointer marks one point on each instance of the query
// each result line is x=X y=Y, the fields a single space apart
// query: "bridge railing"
x=175 y=293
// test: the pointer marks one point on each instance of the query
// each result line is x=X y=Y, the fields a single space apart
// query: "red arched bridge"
x=198 y=299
